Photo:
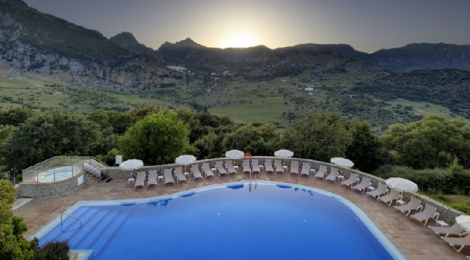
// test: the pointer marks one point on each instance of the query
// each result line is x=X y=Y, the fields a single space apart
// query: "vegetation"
x=429 y=143
x=157 y=139
x=49 y=134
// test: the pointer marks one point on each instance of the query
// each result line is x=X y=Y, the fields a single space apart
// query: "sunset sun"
x=239 y=40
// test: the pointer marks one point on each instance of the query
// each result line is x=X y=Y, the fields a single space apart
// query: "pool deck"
x=410 y=237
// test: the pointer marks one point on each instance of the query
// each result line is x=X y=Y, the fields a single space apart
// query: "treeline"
x=158 y=136
x=448 y=88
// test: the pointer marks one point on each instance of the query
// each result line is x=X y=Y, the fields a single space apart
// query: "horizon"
x=228 y=24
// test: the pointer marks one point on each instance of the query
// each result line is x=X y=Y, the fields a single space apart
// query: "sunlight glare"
x=239 y=40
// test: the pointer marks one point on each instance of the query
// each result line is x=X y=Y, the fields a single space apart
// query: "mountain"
x=423 y=56
x=127 y=41
x=37 y=42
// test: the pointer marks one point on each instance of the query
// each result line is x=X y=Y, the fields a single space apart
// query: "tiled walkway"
x=413 y=239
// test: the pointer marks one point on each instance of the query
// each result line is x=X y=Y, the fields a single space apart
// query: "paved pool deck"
x=413 y=239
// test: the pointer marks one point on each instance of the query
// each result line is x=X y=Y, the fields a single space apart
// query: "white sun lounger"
x=255 y=166
x=246 y=166
x=352 y=179
x=268 y=166
x=220 y=168
x=140 y=179
x=195 y=171
x=152 y=178
x=458 y=241
x=305 y=169
x=455 y=230
x=321 y=172
x=333 y=174
x=393 y=195
x=414 y=204
x=179 y=174
x=230 y=168
x=294 y=167
x=168 y=177
x=381 y=189
x=365 y=182
x=428 y=213
x=278 y=166
x=207 y=170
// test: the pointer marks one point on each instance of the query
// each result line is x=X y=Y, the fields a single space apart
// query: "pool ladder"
x=256 y=182
x=61 y=222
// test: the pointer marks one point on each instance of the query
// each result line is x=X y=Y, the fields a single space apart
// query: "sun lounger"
x=321 y=172
x=246 y=166
x=352 y=179
x=365 y=182
x=388 y=199
x=207 y=170
x=458 y=241
x=179 y=174
x=455 y=230
x=140 y=179
x=168 y=177
x=152 y=178
x=278 y=166
x=305 y=169
x=423 y=217
x=381 y=189
x=333 y=174
x=414 y=204
x=195 y=171
x=255 y=166
x=220 y=168
x=230 y=168
x=294 y=167
x=268 y=166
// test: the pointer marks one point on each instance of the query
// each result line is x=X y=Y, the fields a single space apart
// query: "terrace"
x=413 y=239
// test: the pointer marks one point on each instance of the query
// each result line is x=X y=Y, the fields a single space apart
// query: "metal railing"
x=61 y=222
x=59 y=168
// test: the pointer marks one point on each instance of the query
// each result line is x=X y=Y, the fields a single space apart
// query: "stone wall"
x=53 y=189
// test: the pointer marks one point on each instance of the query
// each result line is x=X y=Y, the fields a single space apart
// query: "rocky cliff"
x=127 y=41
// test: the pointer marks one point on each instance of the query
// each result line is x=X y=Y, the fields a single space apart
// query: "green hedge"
x=453 y=180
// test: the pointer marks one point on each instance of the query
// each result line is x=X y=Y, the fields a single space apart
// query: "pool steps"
x=98 y=227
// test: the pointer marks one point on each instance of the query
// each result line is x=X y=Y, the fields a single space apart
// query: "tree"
x=16 y=116
x=318 y=136
x=6 y=132
x=156 y=139
x=12 y=243
x=257 y=140
x=53 y=133
x=365 y=148
x=431 y=142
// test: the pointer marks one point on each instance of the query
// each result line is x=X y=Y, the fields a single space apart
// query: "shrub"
x=53 y=251
x=453 y=180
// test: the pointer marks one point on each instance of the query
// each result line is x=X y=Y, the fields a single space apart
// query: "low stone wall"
x=42 y=190
x=53 y=189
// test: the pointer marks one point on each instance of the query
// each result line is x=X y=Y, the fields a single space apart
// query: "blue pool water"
x=58 y=173
x=227 y=222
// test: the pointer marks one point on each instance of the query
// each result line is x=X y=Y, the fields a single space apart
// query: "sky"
x=367 y=25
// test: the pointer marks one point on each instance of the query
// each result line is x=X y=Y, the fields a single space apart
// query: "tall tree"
x=16 y=116
x=53 y=133
x=365 y=148
x=257 y=140
x=156 y=139
x=431 y=142
x=318 y=136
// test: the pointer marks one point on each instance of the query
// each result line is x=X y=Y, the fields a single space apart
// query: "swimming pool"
x=58 y=174
x=273 y=221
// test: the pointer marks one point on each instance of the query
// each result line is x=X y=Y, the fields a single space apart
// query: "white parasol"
x=463 y=221
x=401 y=184
x=342 y=162
x=185 y=159
x=234 y=154
x=284 y=153
x=131 y=164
